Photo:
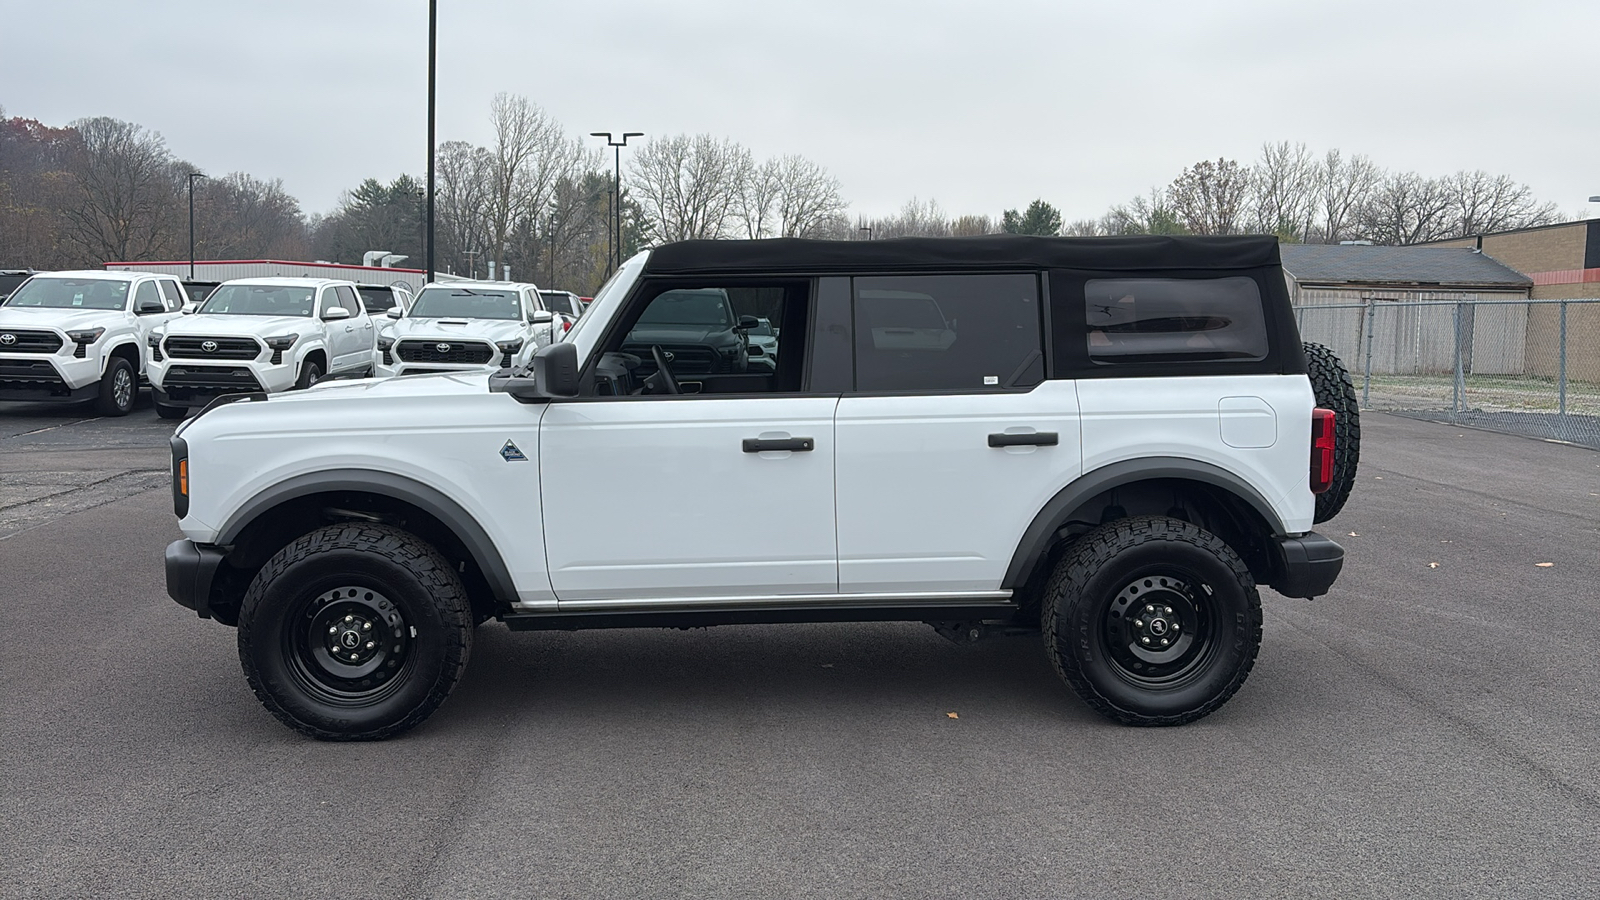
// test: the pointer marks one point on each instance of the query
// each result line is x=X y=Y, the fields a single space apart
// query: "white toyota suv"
x=261 y=334
x=1109 y=442
x=466 y=326
x=80 y=335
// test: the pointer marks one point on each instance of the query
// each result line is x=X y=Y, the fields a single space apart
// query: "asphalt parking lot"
x=1430 y=728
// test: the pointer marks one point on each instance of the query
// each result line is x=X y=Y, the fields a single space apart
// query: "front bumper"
x=48 y=376
x=191 y=568
x=1307 y=565
x=183 y=383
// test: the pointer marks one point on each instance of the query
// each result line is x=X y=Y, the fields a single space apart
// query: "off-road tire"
x=310 y=373
x=170 y=412
x=119 y=388
x=1330 y=381
x=304 y=603
x=1088 y=613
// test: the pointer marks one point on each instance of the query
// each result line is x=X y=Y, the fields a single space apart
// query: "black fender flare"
x=1036 y=540
x=398 y=487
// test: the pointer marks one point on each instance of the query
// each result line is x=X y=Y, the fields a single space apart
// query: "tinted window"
x=699 y=335
x=347 y=299
x=146 y=293
x=171 y=294
x=71 y=293
x=947 y=332
x=555 y=301
x=1154 y=319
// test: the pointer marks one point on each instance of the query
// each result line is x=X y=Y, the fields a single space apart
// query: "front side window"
x=466 y=303
x=145 y=294
x=1133 y=320
x=347 y=299
x=71 y=293
x=948 y=333
x=259 y=300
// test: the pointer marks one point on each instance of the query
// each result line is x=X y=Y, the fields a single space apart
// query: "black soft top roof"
x=995 y=251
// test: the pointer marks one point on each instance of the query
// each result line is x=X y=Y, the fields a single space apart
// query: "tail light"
x=566 y=325
x=1321 y=450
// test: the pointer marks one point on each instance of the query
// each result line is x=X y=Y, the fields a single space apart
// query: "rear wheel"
x=118 y=388
x=1152 y=621
x=355 y=631
x=1331 y=384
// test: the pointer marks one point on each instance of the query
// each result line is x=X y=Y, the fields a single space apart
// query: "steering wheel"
x=664 y=373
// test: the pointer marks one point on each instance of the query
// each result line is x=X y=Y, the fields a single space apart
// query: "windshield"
x=71 y=293
x=260 y=300
x=688 y=308
x=763 y=327
x=466 y=303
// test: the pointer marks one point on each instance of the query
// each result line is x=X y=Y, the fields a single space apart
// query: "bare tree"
x=1481 y=203
x=973 y=226
x=1345 y=186
x=463 y=176
x=688 y=186
x=531 y=153
x=1406 y=208
x=1284 y=190
x=1154 y=214
x=126 y=192
x=809 y=201
x=240 y=217
x=1210 y=197
x=758 y=195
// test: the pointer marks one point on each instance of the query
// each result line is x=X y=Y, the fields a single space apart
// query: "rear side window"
x=347 y=299
x=171 y=294
x=948 y=333
x=377 y=300
x=1135 y=320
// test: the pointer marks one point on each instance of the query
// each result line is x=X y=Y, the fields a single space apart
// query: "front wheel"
x=170 y=412
x=310 y=373
x=118 y=387
x=1152 y=621
x=355 y=631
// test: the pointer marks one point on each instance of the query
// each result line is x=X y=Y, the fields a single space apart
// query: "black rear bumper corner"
x=1307 y=565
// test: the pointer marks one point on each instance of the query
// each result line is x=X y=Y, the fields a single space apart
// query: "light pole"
x=433 y=44
x=615 y=262
x=865 y=227
x=192 y=177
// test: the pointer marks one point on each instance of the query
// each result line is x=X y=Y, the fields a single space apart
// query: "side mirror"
x=395 y=312
x=756 y=350
x=748 y=322
x=189 y=309
x=553 y=373
x=146 y=307
x=335 y=313
x=541 y=317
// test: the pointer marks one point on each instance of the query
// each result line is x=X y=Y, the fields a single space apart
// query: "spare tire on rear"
x=1330 y=381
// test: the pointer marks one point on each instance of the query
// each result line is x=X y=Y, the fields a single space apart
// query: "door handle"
x=1036 y=439
x=349 y=328
x=756 y=445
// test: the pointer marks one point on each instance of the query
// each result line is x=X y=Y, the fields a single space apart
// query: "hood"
x=218 y=325
x=456 y=329
x=431 y=385
x=64 y=319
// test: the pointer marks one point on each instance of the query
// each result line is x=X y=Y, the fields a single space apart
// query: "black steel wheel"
x=355 y=631
x=118 y=388
x=1331 y=384
x=1152 y=621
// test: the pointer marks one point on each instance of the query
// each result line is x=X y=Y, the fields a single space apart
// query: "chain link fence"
x=1529 y=367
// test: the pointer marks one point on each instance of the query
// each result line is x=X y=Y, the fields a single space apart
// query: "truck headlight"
x=384 y=346
x=83 y=337
x=507 y=349
x=279 y=344
x=153 y=341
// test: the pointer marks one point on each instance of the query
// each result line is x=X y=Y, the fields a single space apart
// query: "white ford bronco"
x=261 y=334
x=80 y=336
x=1112 y=442
x=466 y=326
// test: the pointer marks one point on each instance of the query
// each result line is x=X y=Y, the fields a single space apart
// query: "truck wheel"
x=1330 y=381
x=310 y=373
x=1152 y=621
x=118 y=387
x=354 y=632
x=170 y=412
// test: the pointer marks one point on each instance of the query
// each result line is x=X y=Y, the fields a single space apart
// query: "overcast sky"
x=979 y=105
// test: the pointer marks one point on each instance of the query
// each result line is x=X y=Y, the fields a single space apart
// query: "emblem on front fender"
x=510 y=453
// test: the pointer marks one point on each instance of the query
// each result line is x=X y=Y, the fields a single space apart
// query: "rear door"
x=953 y=438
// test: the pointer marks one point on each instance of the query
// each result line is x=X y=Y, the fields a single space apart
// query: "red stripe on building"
x=1567 y=276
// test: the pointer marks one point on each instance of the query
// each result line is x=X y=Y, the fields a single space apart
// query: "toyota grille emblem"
x=8 y=339
x=209 y=346
x=442 y=348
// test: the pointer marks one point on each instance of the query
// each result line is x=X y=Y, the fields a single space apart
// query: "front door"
x=717 y=482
